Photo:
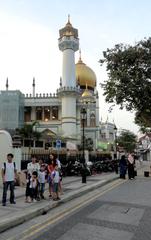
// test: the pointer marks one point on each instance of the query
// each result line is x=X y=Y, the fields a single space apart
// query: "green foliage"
x=129 y=78
x=28 y=131
x=127 y=140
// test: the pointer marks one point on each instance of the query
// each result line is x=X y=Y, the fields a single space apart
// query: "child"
x=55 y=183
x=41 y=180
x=28 y=192
x=32 y=187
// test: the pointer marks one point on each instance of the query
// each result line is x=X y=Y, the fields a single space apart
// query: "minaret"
x=68 y=44
x=7 y=84
x=33 y=85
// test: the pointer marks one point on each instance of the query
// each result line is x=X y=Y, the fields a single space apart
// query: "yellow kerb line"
x=63 y=214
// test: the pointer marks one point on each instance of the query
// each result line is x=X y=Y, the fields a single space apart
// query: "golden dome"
x=85 y=75
x=86 y=93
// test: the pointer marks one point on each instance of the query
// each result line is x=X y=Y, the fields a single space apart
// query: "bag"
x=5 y=167
x=135 y=173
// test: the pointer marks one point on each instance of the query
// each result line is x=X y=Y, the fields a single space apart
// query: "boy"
x=9 y=175
x=55 y=183
x=41 y=181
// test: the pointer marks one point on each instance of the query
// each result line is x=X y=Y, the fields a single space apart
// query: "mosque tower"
x=68 y=91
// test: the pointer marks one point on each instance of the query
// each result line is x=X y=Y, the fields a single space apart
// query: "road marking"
x=41 y=226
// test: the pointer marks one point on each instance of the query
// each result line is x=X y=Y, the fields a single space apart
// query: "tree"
x=29 y=132
x=129 y=78
x=127 y=140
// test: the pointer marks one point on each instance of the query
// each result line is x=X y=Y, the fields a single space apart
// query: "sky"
x=29 y=32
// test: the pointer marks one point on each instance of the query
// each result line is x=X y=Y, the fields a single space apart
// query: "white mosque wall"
x=68 y=69
x=97 y=111
x=5 y=147
x=17 y=157
x=42 y=101
x=78 y=126
x=69 y=115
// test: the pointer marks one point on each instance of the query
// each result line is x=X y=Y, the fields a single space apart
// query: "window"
x=38 y=113
x=28 y=143
x=111 y=136
x=92 y=120
x=46 y=114
x=54 y=113
x=39 y=144
x=27 y=114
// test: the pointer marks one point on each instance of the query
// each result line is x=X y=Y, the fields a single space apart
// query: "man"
x=9 y=176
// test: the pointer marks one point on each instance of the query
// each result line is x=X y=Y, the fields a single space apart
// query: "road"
x=121 y=210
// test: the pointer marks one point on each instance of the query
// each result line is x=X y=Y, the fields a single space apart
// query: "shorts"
x=55 y=187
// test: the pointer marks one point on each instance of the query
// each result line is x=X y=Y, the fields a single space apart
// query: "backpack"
x=5 y=167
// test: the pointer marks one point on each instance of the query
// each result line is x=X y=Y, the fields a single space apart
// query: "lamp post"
x=115 y=132
x=115 y=155
x=83 y=118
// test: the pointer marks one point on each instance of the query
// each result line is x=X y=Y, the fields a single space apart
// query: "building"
x=58 y=114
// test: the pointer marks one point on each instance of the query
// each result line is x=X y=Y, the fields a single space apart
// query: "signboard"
x=58 y=144
x=102 y=145
x=71 y=146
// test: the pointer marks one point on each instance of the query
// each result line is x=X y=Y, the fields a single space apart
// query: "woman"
x=131 y=164
x=50 y=168
x=123 y=167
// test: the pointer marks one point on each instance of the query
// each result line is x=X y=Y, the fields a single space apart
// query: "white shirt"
x=33 y=183
x=9 y=171
x=55 y=176
x=59 y=164
x=41 y=177
x=33 y=167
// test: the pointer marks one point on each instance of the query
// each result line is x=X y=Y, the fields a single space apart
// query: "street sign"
x=58 y=144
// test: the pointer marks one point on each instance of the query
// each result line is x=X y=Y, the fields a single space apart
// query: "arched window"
x=92 y=120
x=38 y=113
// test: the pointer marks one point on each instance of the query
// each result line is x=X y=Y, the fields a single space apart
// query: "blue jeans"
x=5 y=188
x=41 y=188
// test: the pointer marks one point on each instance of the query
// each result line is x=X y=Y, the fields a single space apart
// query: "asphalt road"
x=118 y=211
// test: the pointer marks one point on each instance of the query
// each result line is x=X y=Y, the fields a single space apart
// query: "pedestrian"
x=60 y=174
x=28 y=190
x=34 y=187
x=123 y=166
x=9 y=176
x=33 y=166
x=41 y=181
x=50 y=168
x=131 y=164
x=55 y=183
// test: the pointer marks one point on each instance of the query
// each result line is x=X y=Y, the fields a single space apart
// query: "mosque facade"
x=58 y=114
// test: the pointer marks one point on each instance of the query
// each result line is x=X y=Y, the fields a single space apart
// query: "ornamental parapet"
x=68 y=43
x=68 y=90
x=41 y=95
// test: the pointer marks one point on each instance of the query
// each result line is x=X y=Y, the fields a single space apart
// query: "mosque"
x=58 y=115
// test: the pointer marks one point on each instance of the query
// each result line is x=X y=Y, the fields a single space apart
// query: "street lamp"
x=115 y=132
x=83 y=118
x=115 y=155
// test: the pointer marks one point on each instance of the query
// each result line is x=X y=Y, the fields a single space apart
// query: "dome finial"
x=80 y=54
x=7 y=84
x=68 y=18
x=80 y=60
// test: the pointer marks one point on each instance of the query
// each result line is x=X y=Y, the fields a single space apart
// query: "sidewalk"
x=13 y=215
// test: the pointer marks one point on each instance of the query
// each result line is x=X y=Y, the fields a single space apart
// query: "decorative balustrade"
x=41 y=95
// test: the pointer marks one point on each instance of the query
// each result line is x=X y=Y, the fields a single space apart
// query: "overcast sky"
x=29 y=41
